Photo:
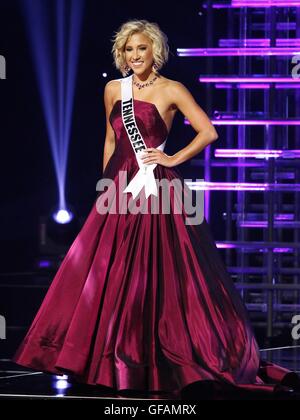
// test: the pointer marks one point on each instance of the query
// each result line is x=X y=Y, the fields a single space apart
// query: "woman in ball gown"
x=142 y=300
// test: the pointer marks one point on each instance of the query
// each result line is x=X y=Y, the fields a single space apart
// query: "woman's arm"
x=109 y=144
x=199 y=121
x=182 y=98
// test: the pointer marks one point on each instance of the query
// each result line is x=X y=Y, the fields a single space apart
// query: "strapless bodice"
x=149 y=121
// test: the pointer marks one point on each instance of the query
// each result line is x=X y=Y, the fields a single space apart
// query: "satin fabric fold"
x=144 y=301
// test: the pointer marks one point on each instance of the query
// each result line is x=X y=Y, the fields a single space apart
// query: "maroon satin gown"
x=143 y=301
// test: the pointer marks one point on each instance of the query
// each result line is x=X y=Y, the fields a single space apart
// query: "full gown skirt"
x=144 y=301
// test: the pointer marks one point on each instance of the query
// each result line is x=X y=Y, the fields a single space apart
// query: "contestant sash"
x=145 y=176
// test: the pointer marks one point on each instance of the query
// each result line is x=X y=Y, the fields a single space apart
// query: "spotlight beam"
x=55 y=63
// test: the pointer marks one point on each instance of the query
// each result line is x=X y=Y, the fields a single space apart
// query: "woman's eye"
x=142 y=48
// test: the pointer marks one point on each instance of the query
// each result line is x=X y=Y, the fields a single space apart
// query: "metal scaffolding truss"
x=256 y=104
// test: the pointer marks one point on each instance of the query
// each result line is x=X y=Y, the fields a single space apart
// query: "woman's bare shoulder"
x=112 y=90
x=175 y=86
x=164 y=81
x=172 y=89
x=112 y=85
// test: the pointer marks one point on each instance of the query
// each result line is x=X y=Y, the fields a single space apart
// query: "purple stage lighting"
x=254 y=82
x=255 y=3
x=55 y=46
x=240 y=186
x=44 y=264
x=258 y=154
x=253 y=79
x=257 y=86
x=265 y=3
x=251 y=122
x=259 y=42
x=265 y=224
x=222 y=245
x=243 y=86
x=230 y=52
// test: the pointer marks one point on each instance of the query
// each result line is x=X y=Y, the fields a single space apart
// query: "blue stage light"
x=54 y=29
x=63 y=216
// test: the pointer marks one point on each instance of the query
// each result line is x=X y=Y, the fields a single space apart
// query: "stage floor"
x=18 y=383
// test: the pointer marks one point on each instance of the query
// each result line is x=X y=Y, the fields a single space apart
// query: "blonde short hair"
x=159 y=40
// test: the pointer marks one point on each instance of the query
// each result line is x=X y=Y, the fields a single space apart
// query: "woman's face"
x=138 y=49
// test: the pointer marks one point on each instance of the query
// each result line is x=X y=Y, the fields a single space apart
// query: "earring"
x=154 y=67
x=127 y=69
